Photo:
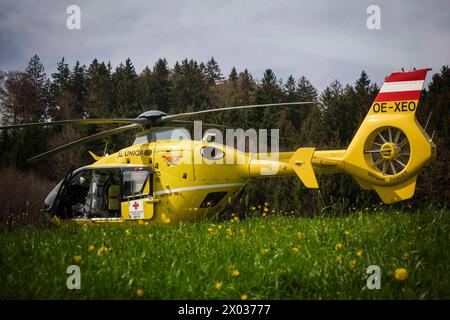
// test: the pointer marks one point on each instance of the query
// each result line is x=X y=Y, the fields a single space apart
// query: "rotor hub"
x=389 y=151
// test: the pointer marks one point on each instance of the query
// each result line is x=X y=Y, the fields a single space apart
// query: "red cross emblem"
x=135 y=205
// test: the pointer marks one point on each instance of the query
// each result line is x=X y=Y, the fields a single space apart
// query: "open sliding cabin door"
x=137 y=192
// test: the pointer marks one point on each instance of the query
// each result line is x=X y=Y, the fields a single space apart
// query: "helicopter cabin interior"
x=103 y=193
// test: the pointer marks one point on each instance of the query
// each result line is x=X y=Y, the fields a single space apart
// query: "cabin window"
x=175 y=134
x=98 y=193
x=134 y=183
x=212 y=153
x=91 y=193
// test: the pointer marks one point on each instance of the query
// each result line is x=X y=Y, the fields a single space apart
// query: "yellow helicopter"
x=166 y=177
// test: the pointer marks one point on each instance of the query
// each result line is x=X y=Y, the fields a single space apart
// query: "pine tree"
x=60 y=82
x=162 y=90
x=189 y=87
x=79 y=89
x=305 y=90
x=233 y=75
x=213 y=73
x=435 y=109
x=269 y=91
x=100 y=91
x=124 y=79
x=145 y=87
x=290 y=89
x=246 y=87
x=36 y=72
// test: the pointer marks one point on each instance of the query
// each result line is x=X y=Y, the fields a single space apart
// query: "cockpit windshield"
x=172 y=134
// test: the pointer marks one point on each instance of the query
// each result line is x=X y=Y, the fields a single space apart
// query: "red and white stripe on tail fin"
x=400 y=92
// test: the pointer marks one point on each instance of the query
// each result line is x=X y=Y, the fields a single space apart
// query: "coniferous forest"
x=99 y=90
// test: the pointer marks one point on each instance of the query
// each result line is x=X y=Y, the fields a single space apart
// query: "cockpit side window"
x=175 y=134
x=134 y=183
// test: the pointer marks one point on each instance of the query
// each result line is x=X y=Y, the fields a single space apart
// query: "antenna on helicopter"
x=106 y=148
x=428 y=120
x=432 y=136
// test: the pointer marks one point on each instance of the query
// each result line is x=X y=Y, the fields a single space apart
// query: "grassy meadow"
x=272 y=257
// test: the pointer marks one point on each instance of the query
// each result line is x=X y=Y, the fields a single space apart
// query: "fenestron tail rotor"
x=389 y=150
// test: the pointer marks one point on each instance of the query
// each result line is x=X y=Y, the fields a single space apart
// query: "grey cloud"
x=322 y=40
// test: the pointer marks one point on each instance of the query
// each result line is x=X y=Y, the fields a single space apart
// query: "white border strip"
x=402 y=86
x=207 y=186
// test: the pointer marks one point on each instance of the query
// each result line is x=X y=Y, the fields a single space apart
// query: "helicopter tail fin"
x=388 y=150
x=390 y=147
x=301 y=162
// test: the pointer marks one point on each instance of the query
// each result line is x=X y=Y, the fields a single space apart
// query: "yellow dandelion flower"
x=128 y=232
x=295 y=250
x=140 y=292
x=218 y=285
x=140 y=222
x=165 y=219
x=401 y=274
x=77 y=259
x=236 y=219
x=210 y=230
x=91 y=248
x=230 y=232
x=359 y=253
x=346 y=232
x=102 y=250
x=266 y=204
x=264 y=251
x=244 y=297
x=353 y=264
x=219 y=226
x=338 y=258
x=235 y=273
x=266 y=209
x=339 y=246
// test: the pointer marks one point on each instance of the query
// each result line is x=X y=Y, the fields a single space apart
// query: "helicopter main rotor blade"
x=77 y=121
x=97 y=136
x=188 y=114
x=192 y=123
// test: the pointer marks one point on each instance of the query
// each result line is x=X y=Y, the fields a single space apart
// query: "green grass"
x=186 y=262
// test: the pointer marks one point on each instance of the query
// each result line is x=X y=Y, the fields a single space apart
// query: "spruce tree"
x=78 y=88
x=60 y=82
x=124 y=80
x=233 y=75
x=213 y=73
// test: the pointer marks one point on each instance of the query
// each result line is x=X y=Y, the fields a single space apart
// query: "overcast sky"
x=322 y=40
